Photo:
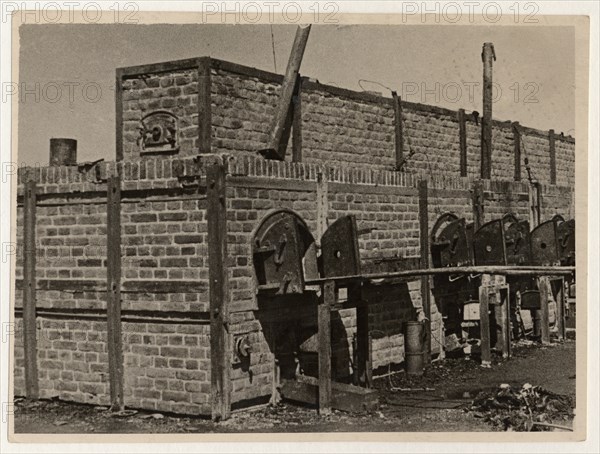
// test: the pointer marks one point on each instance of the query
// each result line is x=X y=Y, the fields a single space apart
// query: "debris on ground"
x=123 y=413
x=456 y=382
x=531 y=408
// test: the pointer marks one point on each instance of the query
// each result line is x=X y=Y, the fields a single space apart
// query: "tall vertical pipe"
x=487 y=55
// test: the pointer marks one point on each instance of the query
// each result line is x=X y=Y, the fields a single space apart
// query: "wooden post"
x=552 y=144
x=363 y=340
x=487 y=55
x=204 y=106
x=322 y=204
x=398 y=129
x=276 y=383
x=462 y=140
x=478 y=203
x=502 y=315
x=558 y=289
x=119 y=115
x=297 y=123
x=326 y=301
x=534 y=204
x=544 y=297
x=484 y=321
x=113 y=292
x=517 y=150
x=29 y=295
x=220 y=360
x=424 y=254
x=276 y=146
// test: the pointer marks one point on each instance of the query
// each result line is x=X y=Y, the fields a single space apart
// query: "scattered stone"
x=123 y=413
x=152 y=415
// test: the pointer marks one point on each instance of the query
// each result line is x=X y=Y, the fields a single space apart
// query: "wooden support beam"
x=322 y=204
x=297 y=123
x=517 y=150
x=558 y=291
x=29 y=294
x=276 y=146
x=478 y=200
x=220 y=358
x=344 y=397
x=502 y=270
x=424 y=254
x=487 y=55
x=552 y=145
x=502 y=316
x=484 y=321
x=204 y=106
x=275 y=383
x=363 y=339
x=543 y=286
x=113 y=293
x=534 y=204
x=462 y=141
x=398 y=131
x=326 y=301
x=119 y=115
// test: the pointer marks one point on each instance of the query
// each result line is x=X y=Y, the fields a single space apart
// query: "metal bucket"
x=415 y=338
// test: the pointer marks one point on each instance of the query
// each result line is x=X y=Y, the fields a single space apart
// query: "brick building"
x=348 y=153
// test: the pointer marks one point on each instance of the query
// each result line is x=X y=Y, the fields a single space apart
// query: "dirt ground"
x=452 y=386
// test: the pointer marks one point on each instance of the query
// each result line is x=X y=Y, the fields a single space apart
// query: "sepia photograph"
x=242 y=221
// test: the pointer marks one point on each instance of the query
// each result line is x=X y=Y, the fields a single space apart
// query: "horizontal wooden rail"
x=503 y=270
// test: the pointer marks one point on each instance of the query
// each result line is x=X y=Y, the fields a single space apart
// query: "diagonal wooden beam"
x=281 y=122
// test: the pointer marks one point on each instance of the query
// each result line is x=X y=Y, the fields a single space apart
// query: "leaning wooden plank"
x=276 y=147
x=343 y=397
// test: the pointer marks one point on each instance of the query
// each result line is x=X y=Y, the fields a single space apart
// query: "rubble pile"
x=532 y=408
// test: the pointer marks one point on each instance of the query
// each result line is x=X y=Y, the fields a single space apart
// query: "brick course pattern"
x=338 y=126
x=348 y=145
x=167 y=364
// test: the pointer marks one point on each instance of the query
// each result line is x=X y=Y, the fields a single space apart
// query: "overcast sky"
x=70 y=69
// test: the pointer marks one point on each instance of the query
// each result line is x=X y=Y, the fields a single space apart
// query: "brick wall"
x=242 y=106
x=175 y=91
x=344 y=130
x=557 y=200
x=166 y=336
x=338 y=126
x=502 y=197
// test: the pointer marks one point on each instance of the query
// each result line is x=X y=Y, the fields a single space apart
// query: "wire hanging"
x=273 y=47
